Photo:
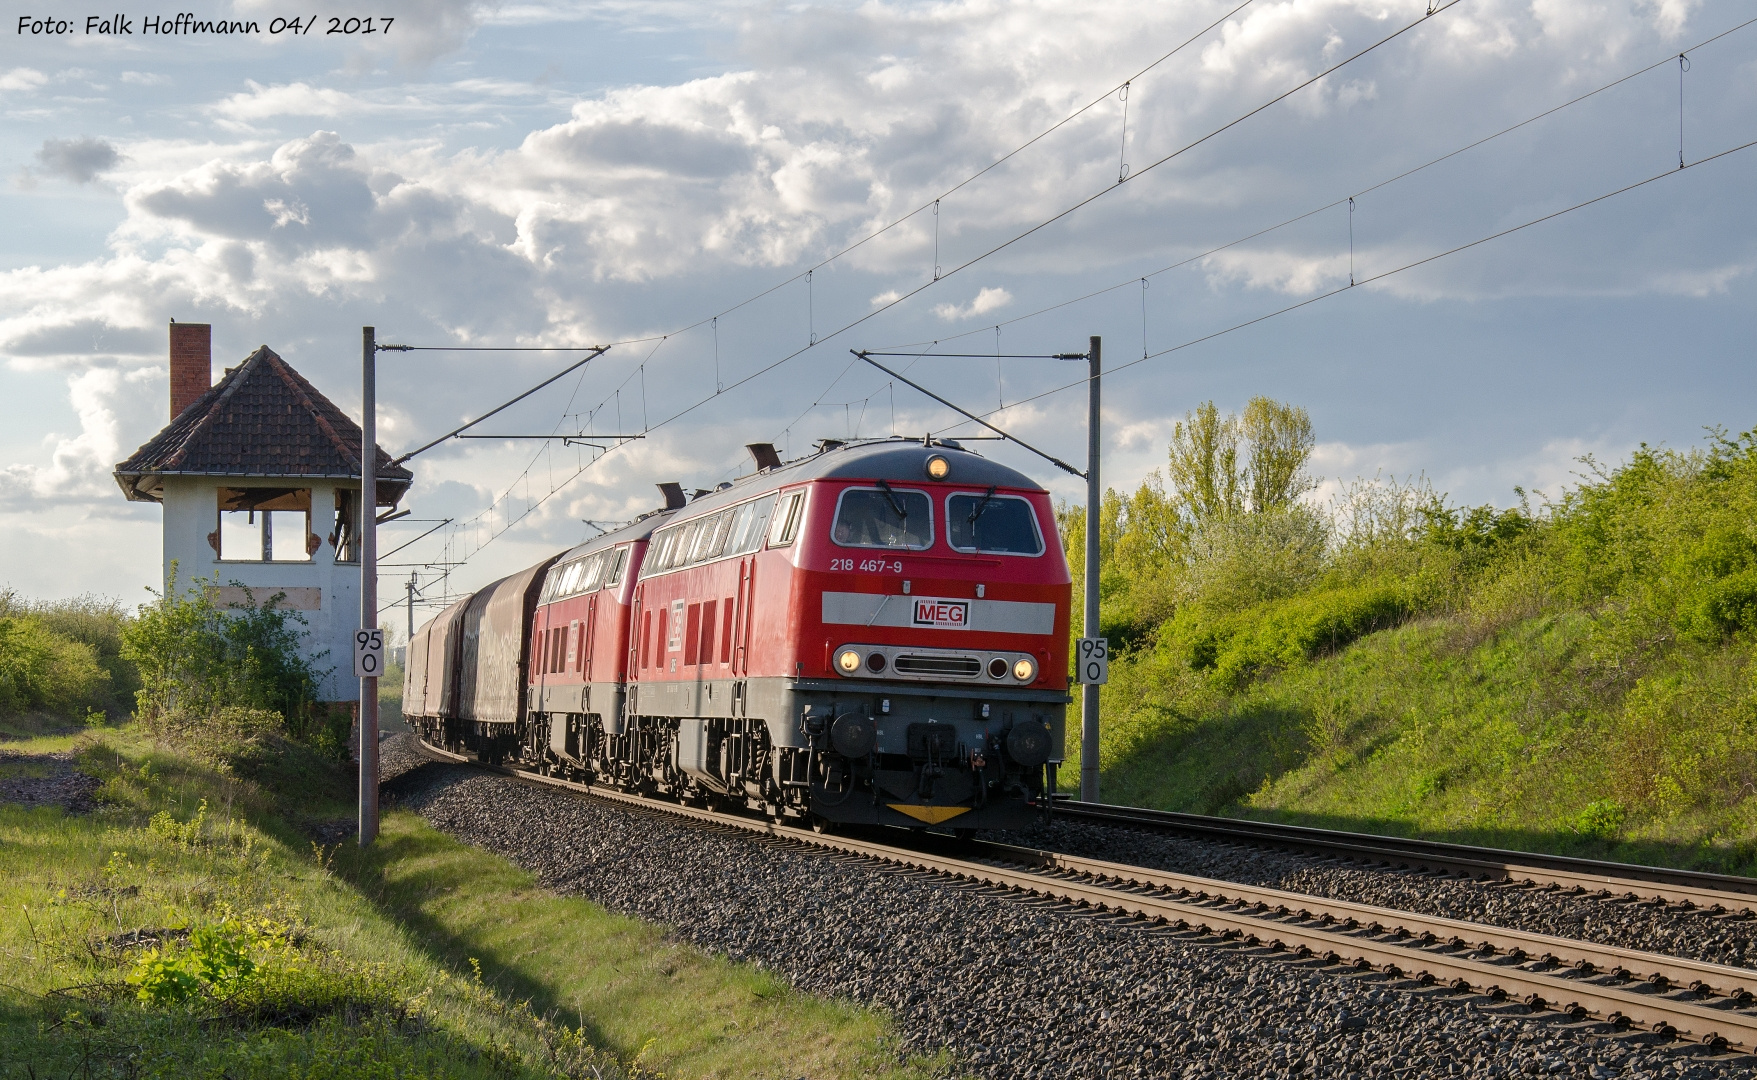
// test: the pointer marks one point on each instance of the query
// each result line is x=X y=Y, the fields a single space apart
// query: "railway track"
x=1673 y=997
x=1717 y=893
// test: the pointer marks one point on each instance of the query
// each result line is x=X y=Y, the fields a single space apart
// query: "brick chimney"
x=192 y=367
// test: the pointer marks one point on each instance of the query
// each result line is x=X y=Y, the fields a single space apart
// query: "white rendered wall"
x=192 y=512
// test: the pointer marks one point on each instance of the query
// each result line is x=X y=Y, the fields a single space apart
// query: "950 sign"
x=368 y=654
x=1092 y=661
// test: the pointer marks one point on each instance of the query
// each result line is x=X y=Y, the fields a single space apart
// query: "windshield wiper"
x=890 y=497
x=976 y=512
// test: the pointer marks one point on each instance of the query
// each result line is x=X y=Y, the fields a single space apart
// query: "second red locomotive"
x=876 y=633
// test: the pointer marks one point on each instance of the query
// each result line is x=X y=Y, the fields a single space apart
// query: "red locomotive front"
x=875 y=634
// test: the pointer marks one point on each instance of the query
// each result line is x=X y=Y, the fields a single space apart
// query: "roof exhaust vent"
x=673 y=493
x=764 y=455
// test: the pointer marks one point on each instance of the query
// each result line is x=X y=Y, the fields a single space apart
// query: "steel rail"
x=1737 y=984
x=1714 y=892
x=1138 y=893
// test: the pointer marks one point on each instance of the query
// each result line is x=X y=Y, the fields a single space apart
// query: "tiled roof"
x=261 y=419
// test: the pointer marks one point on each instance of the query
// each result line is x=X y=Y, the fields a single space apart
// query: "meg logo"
x=944 y=614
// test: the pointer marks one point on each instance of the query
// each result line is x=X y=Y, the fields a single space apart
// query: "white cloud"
x=294 y=99
x=22 y=78
x=1282 y=271
x=79 y=465
x=989 y=299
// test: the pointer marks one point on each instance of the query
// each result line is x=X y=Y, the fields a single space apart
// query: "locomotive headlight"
x=938 y=468
x=1024 y=670
x=848 y=661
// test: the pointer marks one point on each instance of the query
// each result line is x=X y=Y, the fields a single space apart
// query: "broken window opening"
x=265 y=525
x=345 y=537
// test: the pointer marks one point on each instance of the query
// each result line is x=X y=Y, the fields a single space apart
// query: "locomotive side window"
x=564 y=580
x=658 y=551
x=710 y=537
x=681 y=544
x=614 y=577
x=736 y=530
x=748 y=526
x=1005 y=524
x=786 y=525
x=590 y=570
x=884 y=517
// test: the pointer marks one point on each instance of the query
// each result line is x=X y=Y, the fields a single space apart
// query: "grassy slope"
x=1444 y=729
x=400 y=925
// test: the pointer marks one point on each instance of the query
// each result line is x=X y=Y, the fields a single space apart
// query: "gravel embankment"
x=1014 y=989
x=1697 y=935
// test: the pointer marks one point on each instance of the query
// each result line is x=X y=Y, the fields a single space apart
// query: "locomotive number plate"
x=868 y=566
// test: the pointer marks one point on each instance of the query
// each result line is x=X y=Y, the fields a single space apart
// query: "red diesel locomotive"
x=876 y=633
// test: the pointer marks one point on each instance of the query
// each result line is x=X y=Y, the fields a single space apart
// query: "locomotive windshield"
x=993 y=523
x=884 y=518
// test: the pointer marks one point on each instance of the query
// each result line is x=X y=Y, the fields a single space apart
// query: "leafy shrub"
x=229 y=734
x=1275 y=635
x=1667 y=540
x=215 y=964
x=94 y=621
x=259 y=968
x=40 y=669
x=1602 y=818
x=183 y=834
x=225 y=680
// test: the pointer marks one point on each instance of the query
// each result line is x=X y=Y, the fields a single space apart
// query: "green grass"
x=664 y=1005
x=1512 y=737
x=1577 y=676
x=418 y=957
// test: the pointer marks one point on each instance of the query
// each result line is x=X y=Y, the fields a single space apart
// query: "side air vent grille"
x=956 y=667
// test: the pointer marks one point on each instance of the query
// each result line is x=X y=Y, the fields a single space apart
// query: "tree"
x=1204 y=466
x=1281 y=442
x=1211 y=478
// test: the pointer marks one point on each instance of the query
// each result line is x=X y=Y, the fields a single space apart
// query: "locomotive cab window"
x=883 y=517
x=997 y=524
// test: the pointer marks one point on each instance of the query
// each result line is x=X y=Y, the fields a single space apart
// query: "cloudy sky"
x=570 y=172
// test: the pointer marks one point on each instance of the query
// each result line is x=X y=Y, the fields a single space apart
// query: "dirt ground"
x=44 y=780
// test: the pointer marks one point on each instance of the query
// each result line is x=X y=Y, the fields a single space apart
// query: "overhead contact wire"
x=1334 y=203
x=1338 y=291
x=1332 y=69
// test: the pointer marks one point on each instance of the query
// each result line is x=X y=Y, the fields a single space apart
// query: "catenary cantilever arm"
x=1052 y=459
x=597 y=351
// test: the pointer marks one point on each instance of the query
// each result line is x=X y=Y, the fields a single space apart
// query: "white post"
x=1094 y=503
x=368 y=579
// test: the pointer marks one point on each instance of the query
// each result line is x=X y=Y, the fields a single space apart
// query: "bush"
x=1278 y=634
x=40 y=669
x=92 y=621
x=223 y=681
